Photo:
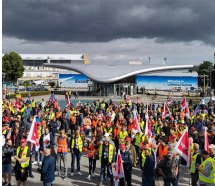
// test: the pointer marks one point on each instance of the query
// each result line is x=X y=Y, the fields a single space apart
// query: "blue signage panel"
x=75 y=81
x=166 y=82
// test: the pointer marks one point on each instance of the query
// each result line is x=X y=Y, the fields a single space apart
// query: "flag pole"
x=188 y=162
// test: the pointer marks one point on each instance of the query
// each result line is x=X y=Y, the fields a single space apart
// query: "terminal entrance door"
x=119 y=89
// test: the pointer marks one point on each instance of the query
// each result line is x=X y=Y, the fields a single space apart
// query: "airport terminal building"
x=77 y=73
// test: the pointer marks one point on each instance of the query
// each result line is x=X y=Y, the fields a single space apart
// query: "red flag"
x=206 y=141
x=33 y=134
x=119 y=172
x=67 y=100
x=169 y=101
x=166 y=112
x=135 y=124
x=187 y=111
x=148 y=130
x=183 y=102
x=183 y=146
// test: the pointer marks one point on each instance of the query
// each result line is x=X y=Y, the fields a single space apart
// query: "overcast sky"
x=183 y=31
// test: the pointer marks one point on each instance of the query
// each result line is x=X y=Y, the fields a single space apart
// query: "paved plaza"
x=82 y=181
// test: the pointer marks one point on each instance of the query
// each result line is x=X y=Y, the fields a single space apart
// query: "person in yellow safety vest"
x=142 y=124
x=76 y=150
x=195 y=161
x=108 y=130
x=106 y=156
x=137 y=140
x=191 y=146
x=122 y=135
x=143 y=156
x=207 y=170
x=33 y=103
x=22 y=162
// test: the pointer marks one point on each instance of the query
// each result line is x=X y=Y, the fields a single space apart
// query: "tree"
x=26 y=83
x=52 y=84
x=12 y=66
x=204 y=69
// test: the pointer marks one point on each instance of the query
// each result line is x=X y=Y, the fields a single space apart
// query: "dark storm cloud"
x=105 y=20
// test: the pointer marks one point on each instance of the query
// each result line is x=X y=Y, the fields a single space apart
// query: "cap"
x=127 y=139
x=106 y=139
x=211 y=146
x=174 y=136
x=106 y=135
x=170 y=151
x=23 y=140
x=122 y=146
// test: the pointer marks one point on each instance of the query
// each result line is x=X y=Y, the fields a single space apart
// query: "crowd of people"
x=102 y=129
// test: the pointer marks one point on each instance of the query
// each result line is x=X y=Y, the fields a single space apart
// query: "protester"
x=168 y=168
x=195 y=162
x=76 y=150
x=7 y=152
x=62 y=150
x=207 y=170
x=48 y=167
x=106 y=156
x=127 y=164
x=145 y=129
x=147 y=165
x=92 y=154
x=22 y=162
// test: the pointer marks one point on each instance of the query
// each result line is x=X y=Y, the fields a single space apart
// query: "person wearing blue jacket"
x=48 y=167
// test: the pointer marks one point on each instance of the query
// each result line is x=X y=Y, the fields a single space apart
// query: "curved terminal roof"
x=111 y=73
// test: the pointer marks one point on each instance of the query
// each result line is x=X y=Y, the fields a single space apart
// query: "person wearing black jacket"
x=48 y=167
x=148 y=173
x=7 y=152
x=64 y=123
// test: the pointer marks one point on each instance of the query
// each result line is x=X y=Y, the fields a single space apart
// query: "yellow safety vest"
x=211 y=178
x=191 y=149
x=110 y=152
x=138 y=139
x=24 y=155
x=144 y=157
x=33 y=104
x=193 y=163
x=142 y=123
x=123 y=135
x=80 y=144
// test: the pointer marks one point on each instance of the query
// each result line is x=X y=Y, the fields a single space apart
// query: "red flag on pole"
x=183 y=146
x=166 y=112
x=187 y=111
x=119 y=172
x=135 y=124
x=183 y=103
x=148 y=130
x=206 y=147
x=67 y=100
x=33 y=136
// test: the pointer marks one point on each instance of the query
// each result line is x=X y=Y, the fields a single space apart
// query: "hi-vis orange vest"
x=162 y=151
x=91 y=150
x=62 y=145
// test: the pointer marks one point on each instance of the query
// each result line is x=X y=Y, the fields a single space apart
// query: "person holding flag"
x=127 y=165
